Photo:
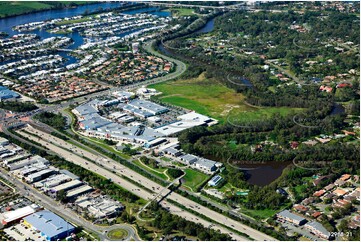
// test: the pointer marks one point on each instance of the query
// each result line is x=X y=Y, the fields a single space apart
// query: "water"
x=264 y=174
x=337 y=109
x=6 y=24
x=207 y=28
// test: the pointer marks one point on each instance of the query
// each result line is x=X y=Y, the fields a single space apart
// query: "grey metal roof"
x=206 y=163
x=148 y=106
x=137 y=111
x=189 y=158
x=292 y=216
x=319 y=227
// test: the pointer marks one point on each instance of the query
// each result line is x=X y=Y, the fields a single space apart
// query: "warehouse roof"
x=67 y=185
x=19 y=213
x=49 y=223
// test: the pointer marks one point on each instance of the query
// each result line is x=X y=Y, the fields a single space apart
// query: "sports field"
x=209 y=97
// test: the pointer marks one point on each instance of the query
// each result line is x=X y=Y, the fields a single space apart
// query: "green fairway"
x=211 y=98
x=194 y=178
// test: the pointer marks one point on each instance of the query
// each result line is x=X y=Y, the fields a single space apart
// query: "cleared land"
x=209 y=97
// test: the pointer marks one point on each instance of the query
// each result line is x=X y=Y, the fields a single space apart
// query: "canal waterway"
x=6 y=24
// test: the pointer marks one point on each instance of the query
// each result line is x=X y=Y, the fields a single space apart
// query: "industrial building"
x=148 y=106
x=50 y=225
x=215 y=181
x=78 y=191
x=86 y=109
x=155 y=142
x=52 y=181
x=99 y=206
x=206 y=165
x=16 y=215
x=5 y=93
x=40 y=175
x=187 y=121
x=3 y=141
x=188 y=159
x=26 y=162
x=66 y=186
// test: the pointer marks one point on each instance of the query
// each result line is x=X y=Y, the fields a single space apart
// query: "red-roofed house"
x=300 y=208
x=319 y=193
x=340 y=192
x=326 y=88
x=316 y=214
x=342 y=85
x=345 y=177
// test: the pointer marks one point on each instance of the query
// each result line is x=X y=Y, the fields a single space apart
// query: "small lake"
x=337 y=109
x=264 y=174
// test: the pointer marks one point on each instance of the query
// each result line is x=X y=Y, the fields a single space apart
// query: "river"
x=6 y=24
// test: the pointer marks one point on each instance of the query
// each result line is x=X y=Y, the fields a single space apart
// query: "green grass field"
x=10 y=8
x=182 y=11
x=194 y=178
x=211 y=98
x=156 y=171
x=263 y=214
x=73 y=21
x=15 y=7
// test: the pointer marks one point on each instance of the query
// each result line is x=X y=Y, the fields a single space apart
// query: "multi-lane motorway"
x=75 y=154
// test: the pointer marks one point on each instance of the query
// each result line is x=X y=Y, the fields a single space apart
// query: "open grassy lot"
x=263 y=214
x=194 y=178
x=209 y=97
x=17 y=7
x=72 y=21
x=10 y=8
x=182 y=11
x=156 y=171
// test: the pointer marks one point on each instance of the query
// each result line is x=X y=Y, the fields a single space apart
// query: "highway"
x=76 y=152
x=64 y=211
x=112 y=170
